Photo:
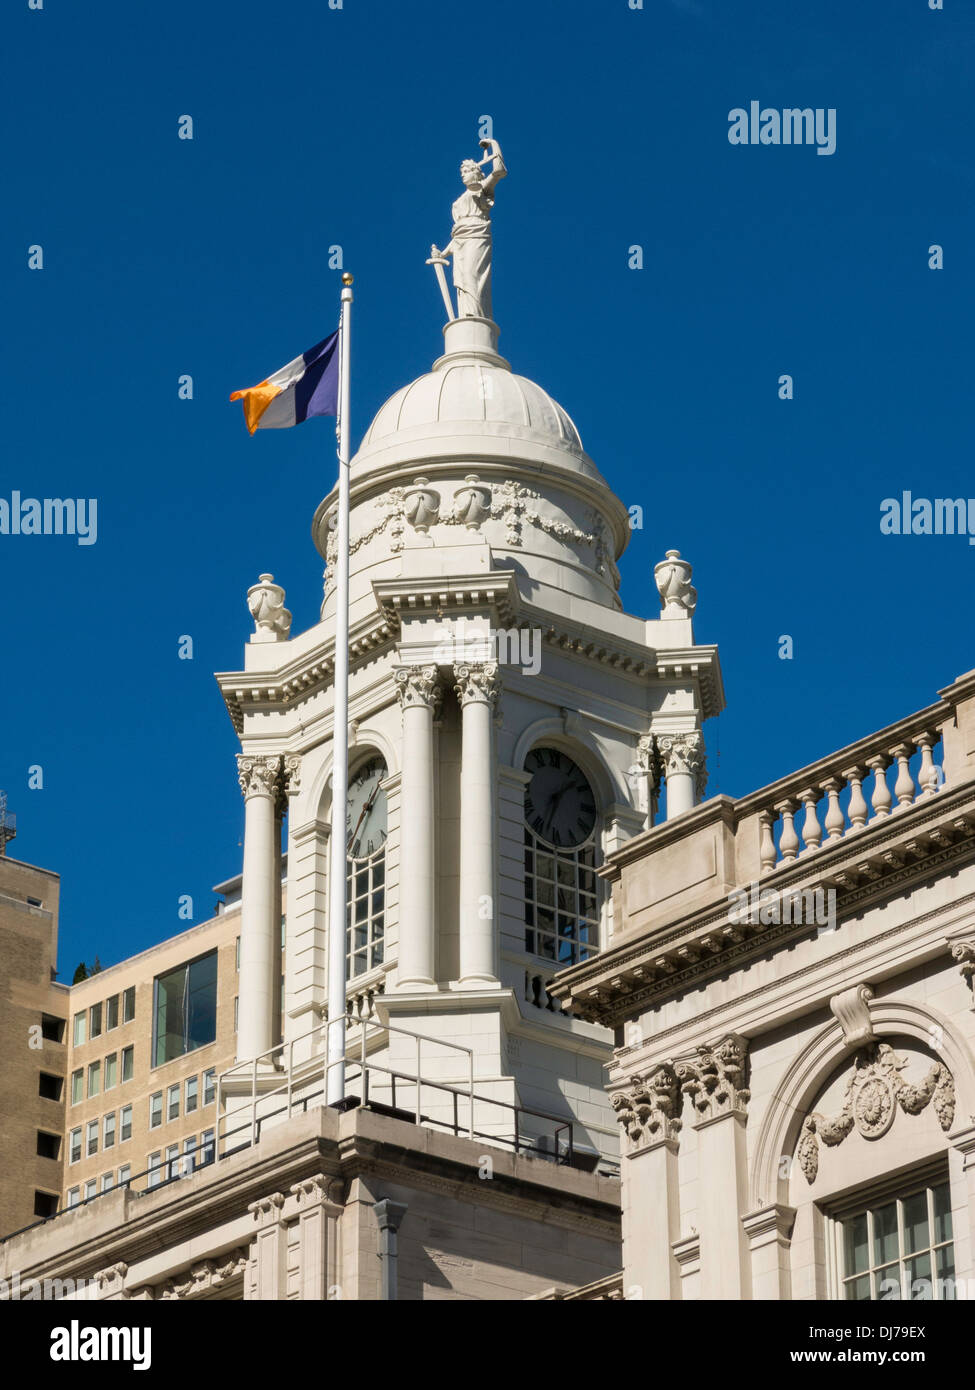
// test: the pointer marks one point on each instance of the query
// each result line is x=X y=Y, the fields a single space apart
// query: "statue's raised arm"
x=470 y=243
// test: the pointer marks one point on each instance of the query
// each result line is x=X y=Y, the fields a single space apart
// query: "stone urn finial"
x=422 y=506
x=272 y=621
x=678 y=596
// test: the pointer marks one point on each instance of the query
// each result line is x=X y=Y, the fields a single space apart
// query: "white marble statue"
x=470 y=243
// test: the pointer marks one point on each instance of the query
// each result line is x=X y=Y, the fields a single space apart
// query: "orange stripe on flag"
x=256 y=400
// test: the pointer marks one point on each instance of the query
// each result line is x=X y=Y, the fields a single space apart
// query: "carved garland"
x=873 y=1093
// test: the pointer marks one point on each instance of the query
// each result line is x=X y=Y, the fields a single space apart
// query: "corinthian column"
x=684 y=767
x=419 y=694
x=260 y=909
x=648 y=1108
x=478 y=688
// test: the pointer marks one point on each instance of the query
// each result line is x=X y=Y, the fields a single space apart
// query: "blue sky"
x=315 y=127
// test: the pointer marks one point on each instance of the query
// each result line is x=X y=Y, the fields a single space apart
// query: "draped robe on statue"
x=471 y=246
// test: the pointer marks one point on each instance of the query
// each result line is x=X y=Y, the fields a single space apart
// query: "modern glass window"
x=111 y=1071
x=899 y=1249
x=108 y=1130
x=79 y=1028
x=77 y=1086
x=74 y=1196
x=128 y=1004
x=75 y=1145
x=561 y=896
x=172 y=1103
x=91 y=1146
x=185 y=1009
x=154 y=1167
x=111 y=1013
x=192 y=1094
x=91 y=1189
x=107 y=1182
x=125 y=1123
x=209 y=1086
x=128 y=1064
x=95 y=1021
x=124 y=1173
x=94 y=1078
x=155 y=1110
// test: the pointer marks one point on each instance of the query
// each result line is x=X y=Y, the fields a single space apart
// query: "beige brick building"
x=33 y=1035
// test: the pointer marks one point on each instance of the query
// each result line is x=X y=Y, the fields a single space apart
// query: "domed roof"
x=474 y=392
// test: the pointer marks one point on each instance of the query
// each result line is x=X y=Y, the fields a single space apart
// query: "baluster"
x=812 y=831
x=904 y=788
x=835 y=820
x=927 y=774
x=767 y=843
x=857 y=809
x=788 y=840
x=880 y=800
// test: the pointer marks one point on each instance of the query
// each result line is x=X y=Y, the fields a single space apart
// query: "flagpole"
x=335 y=1046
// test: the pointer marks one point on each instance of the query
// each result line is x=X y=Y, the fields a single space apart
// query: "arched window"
x=365 y=826
x=561 y=894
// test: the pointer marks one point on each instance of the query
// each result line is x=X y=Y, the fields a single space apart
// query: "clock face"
x=559 y=803
x=365 y=818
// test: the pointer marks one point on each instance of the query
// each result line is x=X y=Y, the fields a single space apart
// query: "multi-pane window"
x=77 y=1085
x=561 y=901
x=172 y=1161
x=365 y=914
x=154 y=1167
x=189 y=1155
x=111 y=1071
x=74 y=1195
x=107 y=1182
x=95 y=1021
x=125 y=1123
x=108 y=1130
x=172 y=1103
x=902 y=1248
x=128 y=1004
x=155 y=1110
x=185 y=1011
x=91 y=1189
x=94 y=1078
x=192 y=1093
x=209 y=1086
x=128 y=1064
x=91 y=1146
x=124 y=1173
x=79 y=1028
x=75 y=1142
x=208 y=1147
x=111 y=1013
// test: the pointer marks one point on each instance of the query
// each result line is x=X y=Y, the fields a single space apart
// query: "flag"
x=305 y=387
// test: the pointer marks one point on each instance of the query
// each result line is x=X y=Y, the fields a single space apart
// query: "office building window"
x=77 y=1086
x=95 y=1021
x=209 y=1086
x=237 y=954
x=155 y=1110
x=91 y=1146
x=128 y=1004
x=108 y=1131
x=189 y=1155
x=111 y=1071
x=107 y=1182
x=172 y=1161
x=125 y=1123
x=192 y=1089
x=208 y=1147
x=111 y=1013
x=154 y=1166
x=128 y=1064
x=74 y=1196
x=94 y=1078
x=79 y=1028
x=75 y=1146
x=185 y=1009
x=124 y=1173
x=91 y=1189
x=172 y=1103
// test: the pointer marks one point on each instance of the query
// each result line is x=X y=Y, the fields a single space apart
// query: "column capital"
x=684 y=752
x=714 y=1078
x=477 y=682
x=648 y=1108
x=418 y=685
x=267 y=1210
x=258 y=774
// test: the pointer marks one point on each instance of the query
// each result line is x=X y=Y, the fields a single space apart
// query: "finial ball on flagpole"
x=346 y=278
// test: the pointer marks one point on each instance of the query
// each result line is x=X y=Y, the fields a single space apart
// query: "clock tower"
x=510 y=724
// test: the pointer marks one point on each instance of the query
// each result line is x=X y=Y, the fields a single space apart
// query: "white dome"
x=475 y=393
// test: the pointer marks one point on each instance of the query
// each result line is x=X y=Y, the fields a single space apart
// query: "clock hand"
x=362 y=815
